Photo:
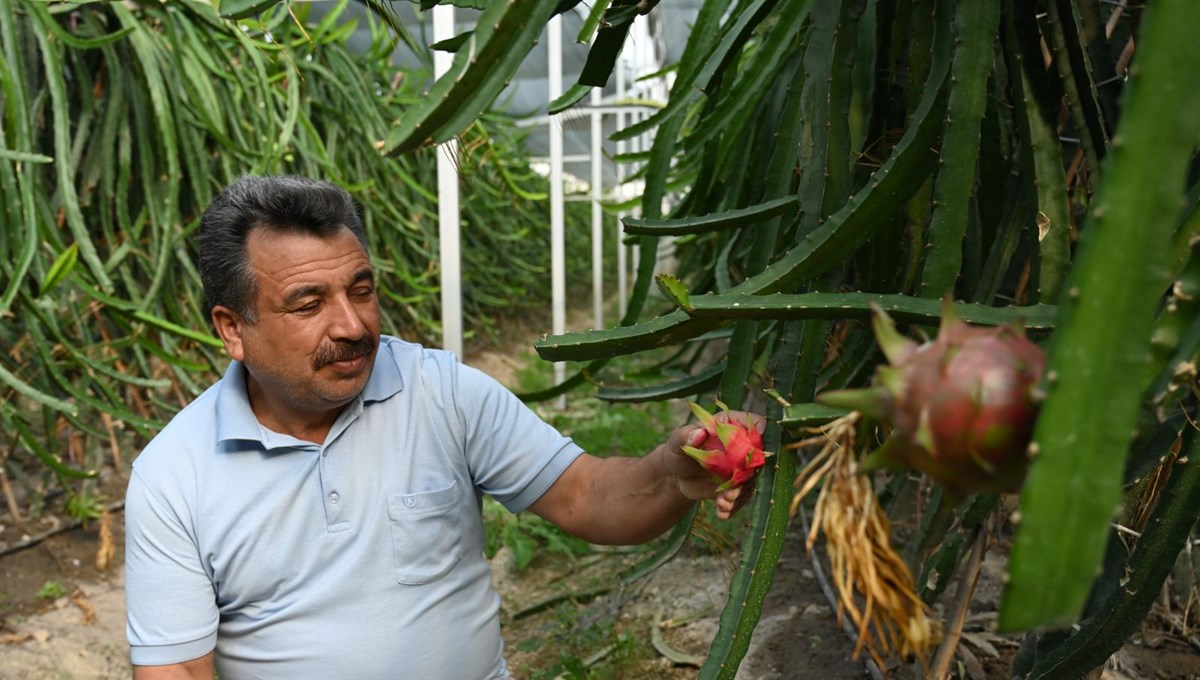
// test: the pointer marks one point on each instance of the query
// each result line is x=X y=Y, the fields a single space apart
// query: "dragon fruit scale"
x=732 y=451
x=961 y=407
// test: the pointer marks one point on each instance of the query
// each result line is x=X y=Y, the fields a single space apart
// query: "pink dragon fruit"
x=732 y=452
x=962 y=407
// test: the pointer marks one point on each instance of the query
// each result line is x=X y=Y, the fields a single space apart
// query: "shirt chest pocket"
x=426 y=537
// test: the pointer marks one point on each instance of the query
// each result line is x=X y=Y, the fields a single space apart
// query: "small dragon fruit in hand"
x=962 y=406
x=732 y=452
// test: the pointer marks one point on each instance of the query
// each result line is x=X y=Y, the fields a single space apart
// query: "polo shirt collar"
x=385 y=379
x=235 y=418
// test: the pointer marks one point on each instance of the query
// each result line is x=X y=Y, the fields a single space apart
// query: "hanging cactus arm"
x=1187 y=234
x=517 y=45
x=1100 y=636
x=56 y=80
x=1046 y=165
x=913 y=310
x=764 y=543
x=602 y=57
x=1074 y=62
x=778 y=181
x=810 y=414
x=240 y=9
x=730 y=219
x=675 y=540
x=662 y=150
x=387 y=13
x=702 y=381
x=1175 y=342
x=690 y=80
x=870 y=401
x=571 y=97
x=899 y=178
x=500 y=33
x=1081 y=438
x=730 y=110
x=975 y=24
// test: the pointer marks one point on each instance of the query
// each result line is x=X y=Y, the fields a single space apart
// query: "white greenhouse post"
x=620 y=167
x=635 y=146
x=558 y=270
x=597 y=217
x=450 y=256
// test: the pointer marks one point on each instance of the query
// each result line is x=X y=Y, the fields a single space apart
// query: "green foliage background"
x=120 y=124
x=1035 y=159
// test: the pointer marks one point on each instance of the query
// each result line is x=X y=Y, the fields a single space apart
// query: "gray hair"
x=288 y=204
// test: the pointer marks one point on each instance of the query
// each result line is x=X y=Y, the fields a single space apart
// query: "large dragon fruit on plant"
x=732 y=451
x=961 y=407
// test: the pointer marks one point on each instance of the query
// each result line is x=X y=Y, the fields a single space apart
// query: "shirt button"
x=410 y=501
x=334 y=497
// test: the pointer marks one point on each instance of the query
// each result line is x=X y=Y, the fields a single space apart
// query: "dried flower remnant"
x=891 y=619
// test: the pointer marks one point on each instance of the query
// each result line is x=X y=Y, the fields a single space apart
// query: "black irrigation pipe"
x=65 y=526
x=872 y=668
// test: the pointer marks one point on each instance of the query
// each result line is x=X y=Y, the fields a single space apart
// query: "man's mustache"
x=345 y=350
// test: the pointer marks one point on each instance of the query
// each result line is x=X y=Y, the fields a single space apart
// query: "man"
x=316 y=513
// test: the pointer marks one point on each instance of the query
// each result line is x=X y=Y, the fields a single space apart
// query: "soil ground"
x=62 y=618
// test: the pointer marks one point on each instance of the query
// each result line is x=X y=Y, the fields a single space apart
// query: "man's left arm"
x=625 y=501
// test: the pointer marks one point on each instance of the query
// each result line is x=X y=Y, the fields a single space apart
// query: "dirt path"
x=81 y=636
x=797 y=630
x=63 y=644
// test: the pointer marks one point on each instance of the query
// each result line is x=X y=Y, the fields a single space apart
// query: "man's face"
x=312 y=347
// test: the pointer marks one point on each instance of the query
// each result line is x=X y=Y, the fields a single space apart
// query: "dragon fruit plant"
x=961 y=407
x=732 y=452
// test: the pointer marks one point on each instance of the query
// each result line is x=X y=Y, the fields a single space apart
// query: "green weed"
x=85 y=506
x=589 y=646
x=51 y=590
x=525 y=534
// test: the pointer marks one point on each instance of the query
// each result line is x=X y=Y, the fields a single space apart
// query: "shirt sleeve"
x=172 y=609
x=514 y=455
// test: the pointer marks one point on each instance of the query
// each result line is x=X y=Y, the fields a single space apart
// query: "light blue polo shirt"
x=362 y=558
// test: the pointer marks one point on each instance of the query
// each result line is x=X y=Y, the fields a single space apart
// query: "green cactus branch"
x=700 y=224
x=768 y=528
x=729 y=115
x=1078 y=49
x=610 y=39
x=820 y=139
x=68 y=200
x=1116 y=284
x=1092 y=140
x=709 y=58
x=485 y=59
x=810 y=414
x=858 y=306
x=975 y=25
x=1175 y=342
x=1045 y=167
x=703 y=381
x=1098 y=637
x=895 y=182
x=764 y=238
